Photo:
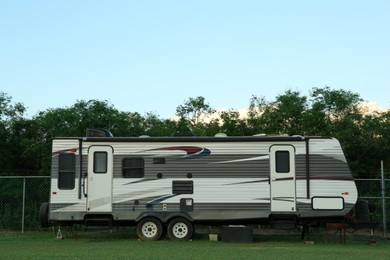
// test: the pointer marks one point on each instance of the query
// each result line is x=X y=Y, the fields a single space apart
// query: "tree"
x=74 y=121
x=155 y=126
x=12 y=134
x=337 y=114
x=334 y=102
x=287 y=113
x=257 y=107
x=26 y=143
x=232 y=124
x=374 y=145
x=193 y=110
x=283 y=116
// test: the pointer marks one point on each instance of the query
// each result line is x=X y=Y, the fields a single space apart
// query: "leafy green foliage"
x=192 y=110
x=26 y=143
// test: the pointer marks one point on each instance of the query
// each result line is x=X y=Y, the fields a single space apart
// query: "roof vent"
x=98 y=132
x=259 y=135
x=183 y=134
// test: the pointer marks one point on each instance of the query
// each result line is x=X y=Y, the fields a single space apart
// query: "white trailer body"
x=154 y=181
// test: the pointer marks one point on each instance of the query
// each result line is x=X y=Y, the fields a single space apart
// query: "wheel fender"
x=164 y=217
x=180 y=215
x=148 y=214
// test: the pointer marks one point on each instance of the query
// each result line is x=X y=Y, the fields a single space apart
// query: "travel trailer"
x=171 y=183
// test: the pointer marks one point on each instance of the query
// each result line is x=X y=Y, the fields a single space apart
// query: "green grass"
x=120 y=245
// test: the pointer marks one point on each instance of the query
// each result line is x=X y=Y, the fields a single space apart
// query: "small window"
x=133 y=167
x=282 y=161
x=66 y=171
x=100 y=162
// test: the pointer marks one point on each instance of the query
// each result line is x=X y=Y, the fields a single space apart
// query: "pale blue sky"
x=153 y=55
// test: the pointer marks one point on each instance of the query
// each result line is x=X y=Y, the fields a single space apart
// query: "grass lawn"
x=125 y=245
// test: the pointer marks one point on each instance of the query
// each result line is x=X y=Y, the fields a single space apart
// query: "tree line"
x=26 y=142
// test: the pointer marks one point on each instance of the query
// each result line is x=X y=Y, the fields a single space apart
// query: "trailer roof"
x=257 y=138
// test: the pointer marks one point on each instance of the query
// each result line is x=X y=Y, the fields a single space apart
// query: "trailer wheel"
x=44 y=214
x=180 y=229
x=149 y=229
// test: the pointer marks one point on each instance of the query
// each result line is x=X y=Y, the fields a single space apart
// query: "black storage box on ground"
x=239 y=234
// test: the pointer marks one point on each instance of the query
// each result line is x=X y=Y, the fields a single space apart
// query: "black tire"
x=180 y=229
x=149 y=229
x=44 y=214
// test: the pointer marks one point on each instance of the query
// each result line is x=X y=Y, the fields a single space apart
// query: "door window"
x=100 y=162
x=282 y=161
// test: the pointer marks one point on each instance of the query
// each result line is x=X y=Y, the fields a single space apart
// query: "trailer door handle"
x=84 y=183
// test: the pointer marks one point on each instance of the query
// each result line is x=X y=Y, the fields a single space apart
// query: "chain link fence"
x=21 y=197
x=20 y=200
x=377 y=193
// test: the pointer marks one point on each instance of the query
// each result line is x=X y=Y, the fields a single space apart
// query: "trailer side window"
x=133 y=167
x=282 y=161
x=100 y=162
x=66 y=171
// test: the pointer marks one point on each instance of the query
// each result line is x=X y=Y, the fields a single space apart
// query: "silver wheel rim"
x=149 y=229
x=180 y=230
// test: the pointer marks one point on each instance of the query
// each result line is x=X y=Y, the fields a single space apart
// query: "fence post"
x=384 y=202
x=23 y=204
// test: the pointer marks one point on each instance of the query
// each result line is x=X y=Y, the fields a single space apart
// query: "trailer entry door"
x=100 y=171
x=282 y=178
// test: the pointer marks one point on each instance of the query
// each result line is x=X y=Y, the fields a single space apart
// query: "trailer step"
x=98 y=223
x=283 y=222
